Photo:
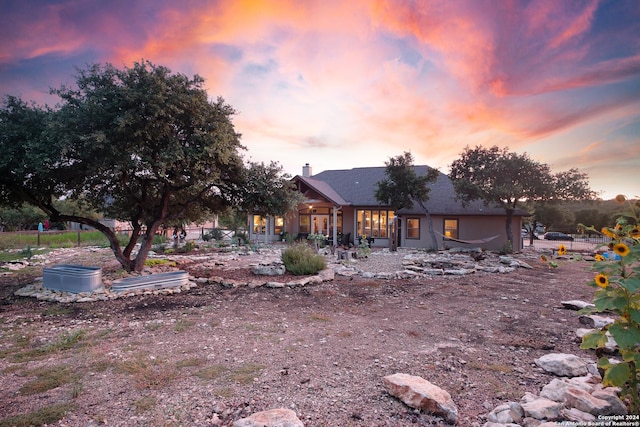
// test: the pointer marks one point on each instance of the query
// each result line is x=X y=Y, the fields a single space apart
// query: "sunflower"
x=621 y=249
x=562 y=250
x=635 y=232
x=543 y=258
x=602 y=280
x=600 y=257
x=608 y=233
x=620 y=199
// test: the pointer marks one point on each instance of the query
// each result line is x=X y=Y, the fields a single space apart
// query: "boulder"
x=280 y=417
x=419 y=393
x=564 y=365
x=268 y=270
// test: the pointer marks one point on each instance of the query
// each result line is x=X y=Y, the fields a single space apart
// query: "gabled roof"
x=357 y=187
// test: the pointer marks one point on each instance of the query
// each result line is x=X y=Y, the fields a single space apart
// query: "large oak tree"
x=139 y=144
x=505 y=179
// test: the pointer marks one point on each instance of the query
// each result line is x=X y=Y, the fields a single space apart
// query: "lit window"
x=259 y=224
x=413 y=228
x=279 y=222
x=451 y=228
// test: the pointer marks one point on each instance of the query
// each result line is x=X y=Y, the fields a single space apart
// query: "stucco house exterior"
x=341 y=205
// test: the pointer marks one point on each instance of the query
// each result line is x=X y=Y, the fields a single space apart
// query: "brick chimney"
x=306 y=170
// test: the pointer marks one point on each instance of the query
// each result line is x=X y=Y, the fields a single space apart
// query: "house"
x=341 y=205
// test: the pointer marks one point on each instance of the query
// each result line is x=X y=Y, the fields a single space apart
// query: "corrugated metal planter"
x=72 y=278
x=172 y=279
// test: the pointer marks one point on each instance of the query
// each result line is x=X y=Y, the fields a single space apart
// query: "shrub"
x=300 y=259
x=617 y=285
x=213 y=234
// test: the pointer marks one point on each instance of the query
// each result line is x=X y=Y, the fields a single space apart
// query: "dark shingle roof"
x=357 y=186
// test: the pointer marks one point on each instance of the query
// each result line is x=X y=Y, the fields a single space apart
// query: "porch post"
x=335 y=225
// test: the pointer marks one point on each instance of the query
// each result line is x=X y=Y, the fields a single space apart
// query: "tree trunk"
x=434 y=241
x=508 y=221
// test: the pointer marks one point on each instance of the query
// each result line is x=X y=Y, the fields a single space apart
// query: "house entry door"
x=320 y=224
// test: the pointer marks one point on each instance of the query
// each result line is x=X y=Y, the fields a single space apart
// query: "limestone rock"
x=576 y=415
x=280 y=417
x=268 y=270
x=542 y=409
x=595 y=321
x=564 y=365
x=576 y=304
x=506 y=414
x=583 y=401
x=610 y=394
x=419 y=393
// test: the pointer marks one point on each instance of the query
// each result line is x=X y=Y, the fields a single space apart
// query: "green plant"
x=27 y=253
x=44 y=416
x=213 y=234
x=48 y=379
x=153 y=262
x=363 y=250
x=189 y=246
x=300 y=259
x=617 y=285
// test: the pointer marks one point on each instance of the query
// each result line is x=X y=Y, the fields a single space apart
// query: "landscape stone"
x=576 y=415
x=542 y=409
x=595 y=321
x=564 y=365
x=269 y=270
x=419 y=393
x=511 y=412
x=610 y=394
x=280 y=417
x=585 y=402
x=576 y=304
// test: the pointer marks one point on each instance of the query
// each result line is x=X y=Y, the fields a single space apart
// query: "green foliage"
x=617 y=285
x=213 y=234
x=27 y=253
x=138 y=144
x=363 y=250
x=403 y=187
x=499 y=177
x=43 y=416
x=300 y=259
x=24 y=217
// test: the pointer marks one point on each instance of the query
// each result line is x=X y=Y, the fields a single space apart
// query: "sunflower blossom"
x=608 y=233
x=621 y=249
x=635 y=232
x=562 y=250
x=602 y=280
x=599 y=257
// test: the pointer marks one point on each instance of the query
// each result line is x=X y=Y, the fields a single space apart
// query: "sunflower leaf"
x=627 y=336
x=616 y=375
x=595 y=339
x=631 y=284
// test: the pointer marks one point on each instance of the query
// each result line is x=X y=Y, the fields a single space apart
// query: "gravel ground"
x=212 y=355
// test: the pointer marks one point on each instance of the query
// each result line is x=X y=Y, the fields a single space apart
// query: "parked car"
x=556 y=235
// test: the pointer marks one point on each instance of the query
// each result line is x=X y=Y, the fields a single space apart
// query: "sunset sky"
x=342 y=84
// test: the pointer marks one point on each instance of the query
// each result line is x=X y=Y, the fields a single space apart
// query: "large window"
x=413 y=228
x=374 y=223
x=451 y=228
x=305 y=223
x=259 y=224
x=279 y=225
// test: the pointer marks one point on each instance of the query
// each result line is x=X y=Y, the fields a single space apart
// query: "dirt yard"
x=212 y=355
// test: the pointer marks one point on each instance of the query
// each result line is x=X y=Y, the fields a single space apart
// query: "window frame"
x=408 y=229
x=456 y=229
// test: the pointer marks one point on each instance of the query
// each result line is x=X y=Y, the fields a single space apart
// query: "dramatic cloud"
x=346 y=84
